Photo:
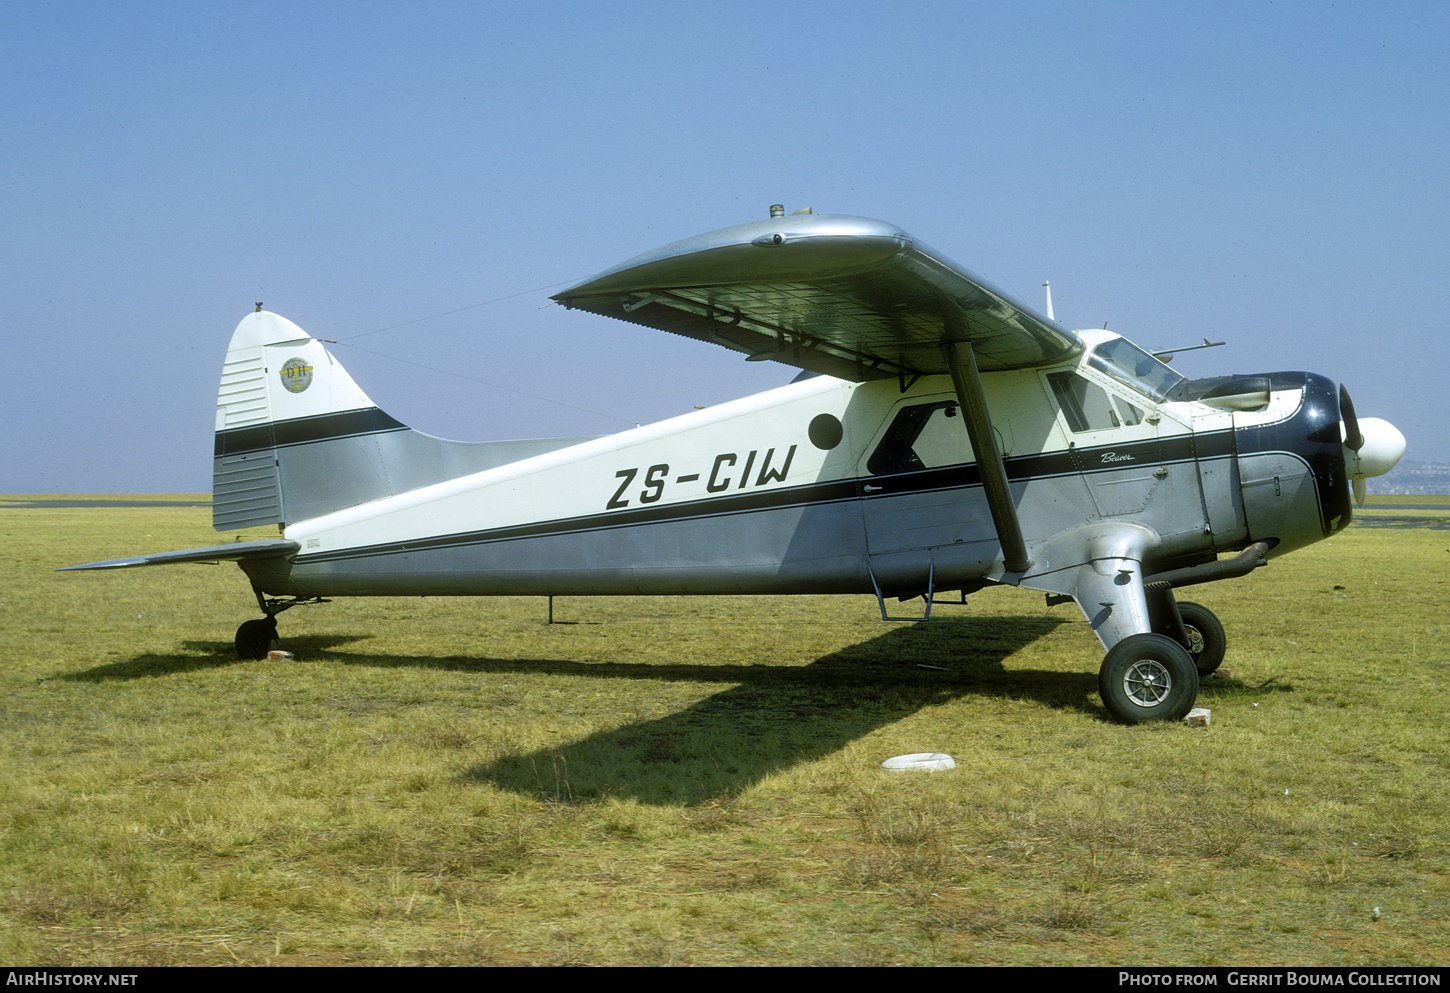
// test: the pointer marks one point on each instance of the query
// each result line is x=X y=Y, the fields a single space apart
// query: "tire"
x=254 y=638
x=1148 y=677
x=1206 y=640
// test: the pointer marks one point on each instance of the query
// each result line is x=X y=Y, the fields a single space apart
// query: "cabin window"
x=1085 y=405
x=924 y=436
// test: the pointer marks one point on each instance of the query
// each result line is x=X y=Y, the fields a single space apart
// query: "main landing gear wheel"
x=1148 y=677
x=1206 y=640
x=254 y=638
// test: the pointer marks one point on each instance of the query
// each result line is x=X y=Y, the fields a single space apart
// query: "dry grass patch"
x=695 y=781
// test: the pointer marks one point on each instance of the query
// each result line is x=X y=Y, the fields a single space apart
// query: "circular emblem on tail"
x=296 y=375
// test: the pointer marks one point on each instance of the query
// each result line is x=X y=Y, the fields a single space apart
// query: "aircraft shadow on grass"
x=208 y=655
x=778 y=716
x=773 y=717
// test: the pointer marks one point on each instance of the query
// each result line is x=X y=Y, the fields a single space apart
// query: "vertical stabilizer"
x=296 y=438
x=279 y=388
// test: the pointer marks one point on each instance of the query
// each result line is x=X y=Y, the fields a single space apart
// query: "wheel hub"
x=1195 y=640
x=1146 y=683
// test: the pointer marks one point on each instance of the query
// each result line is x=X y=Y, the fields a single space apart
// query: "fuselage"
x=826 y=486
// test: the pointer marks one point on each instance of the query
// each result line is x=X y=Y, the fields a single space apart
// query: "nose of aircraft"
x=1372 y=446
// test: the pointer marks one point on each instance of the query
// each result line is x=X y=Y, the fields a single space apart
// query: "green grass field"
x=696 y=781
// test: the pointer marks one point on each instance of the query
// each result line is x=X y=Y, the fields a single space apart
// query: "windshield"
x=1134 y=368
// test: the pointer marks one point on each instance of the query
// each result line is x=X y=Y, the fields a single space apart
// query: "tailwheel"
x=255 y=638
x=1148 y=677
x=1206 y=640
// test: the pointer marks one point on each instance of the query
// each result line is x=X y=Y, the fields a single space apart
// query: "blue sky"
x=1273 y=174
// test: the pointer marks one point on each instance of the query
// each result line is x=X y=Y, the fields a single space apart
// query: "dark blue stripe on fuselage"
x=1176 y=449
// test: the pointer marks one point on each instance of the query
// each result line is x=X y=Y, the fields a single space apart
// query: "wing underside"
x=845 y=296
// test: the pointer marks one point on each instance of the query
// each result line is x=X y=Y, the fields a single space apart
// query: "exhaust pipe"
x=1241 y=564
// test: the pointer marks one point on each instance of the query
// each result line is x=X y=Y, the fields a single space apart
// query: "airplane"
x=942 y=436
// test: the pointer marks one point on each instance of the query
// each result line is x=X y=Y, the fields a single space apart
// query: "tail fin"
x=296 y=438
x=281 y=389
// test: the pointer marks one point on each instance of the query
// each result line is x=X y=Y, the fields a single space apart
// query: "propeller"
x=1372 y=447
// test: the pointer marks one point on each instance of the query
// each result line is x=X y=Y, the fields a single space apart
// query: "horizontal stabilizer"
x=235 y=552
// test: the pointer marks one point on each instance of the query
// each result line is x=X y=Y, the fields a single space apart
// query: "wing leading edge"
x=849 y=297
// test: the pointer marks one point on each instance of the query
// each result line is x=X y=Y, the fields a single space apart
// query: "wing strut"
x=968 y=384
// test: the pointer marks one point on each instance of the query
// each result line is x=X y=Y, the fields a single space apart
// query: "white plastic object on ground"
x=920 y=762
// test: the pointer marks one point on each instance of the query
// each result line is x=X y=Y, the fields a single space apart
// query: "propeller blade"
x=1372 y=447
x=1353 y=438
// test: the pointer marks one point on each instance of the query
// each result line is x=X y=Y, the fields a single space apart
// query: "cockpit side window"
x=1088 y=407
x=1134 y=368
x=922 y=436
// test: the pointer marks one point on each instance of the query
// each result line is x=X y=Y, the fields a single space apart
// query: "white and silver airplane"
x=943 y=436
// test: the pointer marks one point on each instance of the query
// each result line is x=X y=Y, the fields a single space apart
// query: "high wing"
x=849 y=297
